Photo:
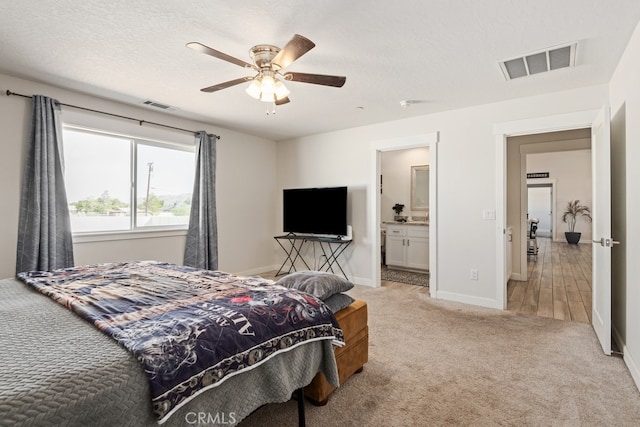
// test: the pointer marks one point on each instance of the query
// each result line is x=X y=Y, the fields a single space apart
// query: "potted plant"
x=398 y=208
x=573 y=211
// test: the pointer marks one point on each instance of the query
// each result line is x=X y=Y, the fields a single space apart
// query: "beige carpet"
x=440 y=363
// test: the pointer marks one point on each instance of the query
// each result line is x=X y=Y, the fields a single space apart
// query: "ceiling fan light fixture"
x=268 y=88
x=268 y=60
x=254 y=89
x=281 y=90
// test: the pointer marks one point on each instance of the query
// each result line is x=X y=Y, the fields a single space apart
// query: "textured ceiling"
x=442 y=52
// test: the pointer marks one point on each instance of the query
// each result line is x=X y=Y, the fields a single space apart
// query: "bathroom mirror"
x=420 y=188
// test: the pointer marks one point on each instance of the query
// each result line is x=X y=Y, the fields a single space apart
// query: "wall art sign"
x=538 y=175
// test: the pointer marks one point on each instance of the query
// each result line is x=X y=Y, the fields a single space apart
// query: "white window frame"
x=106 y=125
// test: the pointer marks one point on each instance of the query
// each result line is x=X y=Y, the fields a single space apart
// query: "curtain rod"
x=9 y=93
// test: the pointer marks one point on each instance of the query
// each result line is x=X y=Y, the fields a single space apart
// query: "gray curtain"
x=201 y=250
x=44 y=229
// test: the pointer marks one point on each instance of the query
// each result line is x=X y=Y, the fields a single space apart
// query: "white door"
x=539 y=201
x=602 y=241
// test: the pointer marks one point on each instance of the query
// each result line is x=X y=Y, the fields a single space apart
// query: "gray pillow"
x=338 y=301
x=318 y=283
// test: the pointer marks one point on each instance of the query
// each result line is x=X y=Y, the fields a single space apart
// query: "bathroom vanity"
x=407 y=245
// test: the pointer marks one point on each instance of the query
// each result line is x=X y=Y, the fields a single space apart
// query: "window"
x=117 y=183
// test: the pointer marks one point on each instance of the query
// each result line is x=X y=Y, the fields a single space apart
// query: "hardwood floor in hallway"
x=558 y=285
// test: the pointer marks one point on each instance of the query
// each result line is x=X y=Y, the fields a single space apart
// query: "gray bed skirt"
x=57 y=369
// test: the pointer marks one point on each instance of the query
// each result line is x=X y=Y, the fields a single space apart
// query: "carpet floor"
x=439 y=363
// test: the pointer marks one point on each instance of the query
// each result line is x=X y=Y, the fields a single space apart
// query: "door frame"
x=502 y=131
x=430 y=141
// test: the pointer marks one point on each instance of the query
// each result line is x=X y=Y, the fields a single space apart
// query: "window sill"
x=127 y=235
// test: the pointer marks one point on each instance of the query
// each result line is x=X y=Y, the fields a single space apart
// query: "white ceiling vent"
x=539 y=62
x=158 y=105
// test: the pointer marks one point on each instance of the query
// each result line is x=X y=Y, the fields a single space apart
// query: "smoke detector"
x=549 y=59
x=409 y=102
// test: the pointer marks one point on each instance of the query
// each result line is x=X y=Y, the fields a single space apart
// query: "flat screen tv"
x=315 y=210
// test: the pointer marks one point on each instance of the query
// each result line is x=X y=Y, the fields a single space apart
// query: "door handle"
x=607 y=243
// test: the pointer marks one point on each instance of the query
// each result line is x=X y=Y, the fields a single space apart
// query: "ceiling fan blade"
x=282 y=101
x=294 y=49
x=225 y=85
x=217 y=54
x=316 y=79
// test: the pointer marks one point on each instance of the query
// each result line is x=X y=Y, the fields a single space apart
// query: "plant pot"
x=572 y=237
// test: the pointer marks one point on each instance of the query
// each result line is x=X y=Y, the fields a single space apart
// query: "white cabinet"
x=395 y=249
x=407 y=246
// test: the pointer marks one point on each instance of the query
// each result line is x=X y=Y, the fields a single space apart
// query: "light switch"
x=488 y=215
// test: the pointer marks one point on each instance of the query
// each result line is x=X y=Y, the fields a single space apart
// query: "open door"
x=602 y=241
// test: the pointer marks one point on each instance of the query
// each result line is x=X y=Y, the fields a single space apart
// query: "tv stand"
x=331 y=247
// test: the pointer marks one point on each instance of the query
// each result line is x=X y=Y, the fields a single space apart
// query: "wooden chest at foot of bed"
x=351 y=357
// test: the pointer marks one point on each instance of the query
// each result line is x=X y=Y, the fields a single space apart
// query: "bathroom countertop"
x=405 y=223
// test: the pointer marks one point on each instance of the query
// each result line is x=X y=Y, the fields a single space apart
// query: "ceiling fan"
x=269 y=62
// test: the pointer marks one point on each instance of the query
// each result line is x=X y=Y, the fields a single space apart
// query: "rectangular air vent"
x=157 y=105
x=539 y=62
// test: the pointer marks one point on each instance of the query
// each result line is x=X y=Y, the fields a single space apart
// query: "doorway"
x=598 y=123
x=564 y=156
x=404 y=178
x=558 y=282
x=540 y=208
x=374 y=207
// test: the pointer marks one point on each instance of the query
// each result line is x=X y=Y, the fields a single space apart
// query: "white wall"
x=625 y=196
x=246 y=187
x=395 y=167
x=572 y=172
x=466 y=182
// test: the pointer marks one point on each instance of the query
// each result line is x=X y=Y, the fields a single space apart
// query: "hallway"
x=559 y=284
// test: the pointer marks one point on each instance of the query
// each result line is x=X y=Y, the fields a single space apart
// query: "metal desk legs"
x=293 y=253
x=331 y=258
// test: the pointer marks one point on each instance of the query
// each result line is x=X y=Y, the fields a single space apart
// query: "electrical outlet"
x=473 y=274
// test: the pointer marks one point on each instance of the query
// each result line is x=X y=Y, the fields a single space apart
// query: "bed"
x=58 y=369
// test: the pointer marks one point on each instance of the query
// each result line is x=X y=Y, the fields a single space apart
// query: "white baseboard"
x=628 y=358
x=258 y=270
x=362 y=281
x=617 y=337
x=516 y=276
x=633 y=367
x=466 y=299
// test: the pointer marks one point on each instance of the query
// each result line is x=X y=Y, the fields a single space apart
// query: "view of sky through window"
x=98 y=179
